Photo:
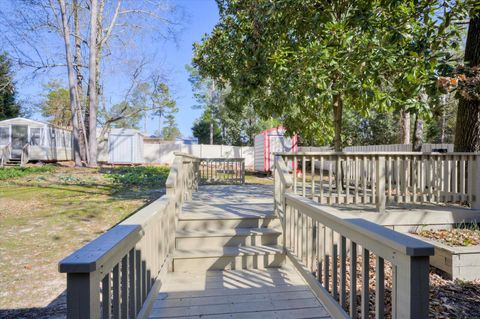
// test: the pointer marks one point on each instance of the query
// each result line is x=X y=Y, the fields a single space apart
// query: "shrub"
x=141 y=176
x=15 y=172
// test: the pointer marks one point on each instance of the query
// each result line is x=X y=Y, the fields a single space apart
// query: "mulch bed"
x=453 y=237
x=448 y=298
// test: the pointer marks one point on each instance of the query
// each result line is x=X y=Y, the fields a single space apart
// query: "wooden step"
x=218 y=238
x=227 y=258
x=192 y=222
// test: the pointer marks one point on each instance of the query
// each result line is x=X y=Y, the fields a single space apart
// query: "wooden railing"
x=5 y=152
x=336 y=254
x=382 y=178
x=222 y=171
x=119 y=274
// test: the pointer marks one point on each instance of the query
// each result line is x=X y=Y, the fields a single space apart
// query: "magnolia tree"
x=305 y=62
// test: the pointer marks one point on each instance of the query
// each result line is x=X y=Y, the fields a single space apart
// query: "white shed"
x=125 y=146
x=269 y=142
x=41 y=141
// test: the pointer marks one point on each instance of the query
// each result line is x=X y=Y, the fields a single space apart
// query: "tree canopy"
x=304 y=62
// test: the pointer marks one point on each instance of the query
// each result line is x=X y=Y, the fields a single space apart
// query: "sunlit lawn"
x=45 y=216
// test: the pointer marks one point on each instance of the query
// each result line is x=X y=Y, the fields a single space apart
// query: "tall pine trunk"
x=467 y=130
x=77 y=59
x=92 y=83
x=72 y=85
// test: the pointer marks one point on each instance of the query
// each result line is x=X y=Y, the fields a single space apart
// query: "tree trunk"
x=418 y=134
x=467 y=129
x=337 y=121
x=211 y=131
x=77 y=59
x=71 y=84
x=404 y=127
x=92 y=83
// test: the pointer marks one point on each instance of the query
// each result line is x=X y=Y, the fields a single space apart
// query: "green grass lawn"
x=48 y=212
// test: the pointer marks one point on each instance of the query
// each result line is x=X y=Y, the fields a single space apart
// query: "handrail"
x=119 y=274
x=324 y=245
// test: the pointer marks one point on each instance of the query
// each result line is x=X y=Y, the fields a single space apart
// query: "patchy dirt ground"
x=43 y=218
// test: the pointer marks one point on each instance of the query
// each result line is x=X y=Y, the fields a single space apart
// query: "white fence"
x=164 y=153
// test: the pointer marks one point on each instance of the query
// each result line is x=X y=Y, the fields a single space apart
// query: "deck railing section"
x=222 y=170
x=119 y=274
x=383 y=178
x=336 y=255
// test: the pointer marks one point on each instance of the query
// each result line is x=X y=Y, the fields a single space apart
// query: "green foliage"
x=142 y=176
x=235 y=123
x=298 y=61
x=170 y=131
x=201 y=130
x=16 y=172
x=375 y=129
x=9 y=108
x=56 y=104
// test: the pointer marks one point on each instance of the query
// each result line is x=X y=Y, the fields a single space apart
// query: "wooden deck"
x=232 y=227
x=268 y=293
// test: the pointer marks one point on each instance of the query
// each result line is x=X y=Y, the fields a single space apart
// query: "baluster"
x=116 y=292
x=343 y=271
x=397 y=179
x=330 y=199
x=304 y=175
x=312 y=169
x=364 y=178
x=124 y=308
x=132 y=298
x=320 y=250
x=295 y=163
x=334 y=267
x=321 y=180
x=389 y=175
x=380 y=289
x=139 y=288
x=357 y=176
x=353 y=279
x=347 y=180
x=106 y=296
x=365 y=283
x=455 y=179
x=326 y=274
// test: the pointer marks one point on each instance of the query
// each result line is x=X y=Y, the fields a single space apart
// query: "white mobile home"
x=41 y=141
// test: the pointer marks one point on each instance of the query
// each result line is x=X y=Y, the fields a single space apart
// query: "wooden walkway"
x=265 y=294
x=226 y=242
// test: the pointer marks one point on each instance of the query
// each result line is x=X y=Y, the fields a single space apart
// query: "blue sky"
x=171 y=57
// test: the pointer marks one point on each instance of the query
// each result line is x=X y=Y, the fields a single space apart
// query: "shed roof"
x=33 y=122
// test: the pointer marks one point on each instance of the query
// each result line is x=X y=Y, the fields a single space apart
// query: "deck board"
x=269 y=293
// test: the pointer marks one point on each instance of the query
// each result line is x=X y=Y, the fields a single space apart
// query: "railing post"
x=380 y=187
x=83 y=299
x=411 y=279
x=476 y=182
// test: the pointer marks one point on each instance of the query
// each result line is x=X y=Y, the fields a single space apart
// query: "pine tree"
x=8 y=106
